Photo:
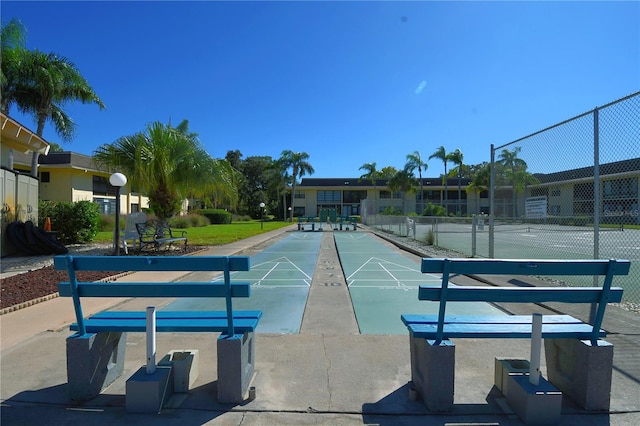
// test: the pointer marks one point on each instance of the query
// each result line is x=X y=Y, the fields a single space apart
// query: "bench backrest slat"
x=154 y=289
x=520 y=294
x=538 y=267
x=225 y=264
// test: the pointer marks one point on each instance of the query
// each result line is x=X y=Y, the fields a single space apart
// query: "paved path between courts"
x=328 y=374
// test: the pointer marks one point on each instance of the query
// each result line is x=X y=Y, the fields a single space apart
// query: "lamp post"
x=262 y=215
x=289 y=212
x=118 y=180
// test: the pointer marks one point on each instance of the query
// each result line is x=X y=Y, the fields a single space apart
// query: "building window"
x=45 y=177
x=385 y=194
x=101 y=186
x=107 y=206
x=354 y=196
x=328 y=197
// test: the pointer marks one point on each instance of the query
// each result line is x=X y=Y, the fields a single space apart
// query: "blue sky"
x=347 y=82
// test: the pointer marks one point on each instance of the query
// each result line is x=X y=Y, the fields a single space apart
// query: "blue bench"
x=95 y=353
x=566 y=338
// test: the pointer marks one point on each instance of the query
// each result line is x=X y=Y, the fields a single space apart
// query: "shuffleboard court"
x=280 y=278
x=383 y=284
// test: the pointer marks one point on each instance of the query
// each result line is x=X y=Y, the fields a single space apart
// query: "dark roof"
x=624 y=166
x=69 y=158
x=346 y=182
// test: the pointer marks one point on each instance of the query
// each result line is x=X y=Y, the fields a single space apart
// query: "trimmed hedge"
x=217 y=216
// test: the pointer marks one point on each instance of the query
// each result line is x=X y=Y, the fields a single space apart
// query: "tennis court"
x=546 y=241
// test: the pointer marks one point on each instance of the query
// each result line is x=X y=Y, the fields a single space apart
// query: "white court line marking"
x=281 y=261
x=264 y=276
x=380 y=262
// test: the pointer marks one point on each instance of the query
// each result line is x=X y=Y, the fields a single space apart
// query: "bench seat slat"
x=153 y=263
x=155 y=289
x=409 y=319
x=513 y=331
x=216 y=325
x=524 y=266
x=519 y=294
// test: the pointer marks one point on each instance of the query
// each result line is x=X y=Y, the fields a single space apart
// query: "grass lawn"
x=215 y=235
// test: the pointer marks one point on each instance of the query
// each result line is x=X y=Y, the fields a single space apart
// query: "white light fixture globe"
x=118 y=180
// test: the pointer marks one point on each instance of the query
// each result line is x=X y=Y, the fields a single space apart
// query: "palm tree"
x=40 y=84
x=480 y=182
x=372 y=174
x=168 y=164
x=415 y=162
x=299 y=165
x=12 y=44
x=456 y=158
x=442 y=155
x=512 y=164
x=279 y=182
x=404 y=182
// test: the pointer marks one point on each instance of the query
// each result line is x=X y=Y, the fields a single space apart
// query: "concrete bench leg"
x=94 y=361
x=236 y=364
x=432 y=372
x=581 y=371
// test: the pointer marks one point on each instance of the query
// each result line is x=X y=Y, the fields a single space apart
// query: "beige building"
x=346 y=195
x=69 y=176
x=18 y=190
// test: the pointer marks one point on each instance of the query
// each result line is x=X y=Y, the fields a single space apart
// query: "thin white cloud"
x=421 y=87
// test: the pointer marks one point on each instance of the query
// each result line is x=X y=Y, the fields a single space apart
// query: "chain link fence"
x=567 y=191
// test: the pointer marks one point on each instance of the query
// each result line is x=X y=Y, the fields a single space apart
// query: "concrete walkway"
x=328 y=374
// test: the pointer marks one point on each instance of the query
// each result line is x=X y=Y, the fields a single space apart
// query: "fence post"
x=492 y=204
x=474 y=222
x=596 y=201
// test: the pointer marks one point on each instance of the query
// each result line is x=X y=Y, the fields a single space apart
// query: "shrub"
x=434 y=210
x=74 y=223
x=430 y=237
x=217 y=216
x=391 y=211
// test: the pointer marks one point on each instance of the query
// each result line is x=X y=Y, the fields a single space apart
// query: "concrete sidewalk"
x=328 y=374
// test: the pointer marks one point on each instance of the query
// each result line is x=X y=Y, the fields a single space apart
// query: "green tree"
x=388 y=172
x=511 y=163
x=480 y=181
x=372 y=175
x=39 y=84
x=167 y=164
x=12 y=43
x=456 y=158
x=414 y=161
x=297 y=162
x=279 y=180
x=404 y=182
x=442 y=155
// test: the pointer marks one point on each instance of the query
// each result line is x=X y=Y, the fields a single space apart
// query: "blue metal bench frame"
x=436 y=330
x=233 y=325
x=156 y=233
